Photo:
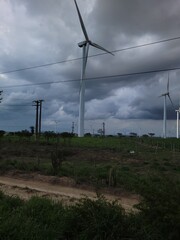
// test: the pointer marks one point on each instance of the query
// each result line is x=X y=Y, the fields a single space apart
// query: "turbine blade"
x=81 y=22
x=168 y=83
x=99 y=47
x=171 y=101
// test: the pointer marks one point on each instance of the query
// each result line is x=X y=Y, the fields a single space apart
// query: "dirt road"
x=26 y=188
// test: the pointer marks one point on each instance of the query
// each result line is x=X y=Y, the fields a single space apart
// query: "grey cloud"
x=138 y=17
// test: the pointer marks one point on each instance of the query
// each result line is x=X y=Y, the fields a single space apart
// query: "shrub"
x=96 y=220
x=160 y=209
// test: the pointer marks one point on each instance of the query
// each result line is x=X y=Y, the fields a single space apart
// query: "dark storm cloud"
x=138 y=18
x=41 y=31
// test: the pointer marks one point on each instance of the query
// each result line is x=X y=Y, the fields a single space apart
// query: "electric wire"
x=95 y=78
x=21 y=105
x=99 y=54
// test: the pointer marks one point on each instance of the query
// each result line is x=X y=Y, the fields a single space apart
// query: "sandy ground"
x=25 y=186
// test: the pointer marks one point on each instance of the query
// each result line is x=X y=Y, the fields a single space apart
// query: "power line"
x=13 y=105
x=96 y=78
x=147 y=44
x=99 y=54
x=17 y=109
x=13 y=126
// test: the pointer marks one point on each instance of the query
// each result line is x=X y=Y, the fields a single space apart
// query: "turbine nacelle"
x=81 y=44
x=164 y=94
x=167 y=94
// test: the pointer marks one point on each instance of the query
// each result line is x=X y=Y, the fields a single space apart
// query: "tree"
x=133 y=134
x=2 y=133
x=87 y=135
x=145 y=135
x=66 y=135
x=32 y=130
x=119 y=134
x=49 y=134
x=151 y=134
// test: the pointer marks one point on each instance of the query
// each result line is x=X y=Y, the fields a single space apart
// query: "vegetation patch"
x=157 y=218
x=146 y=166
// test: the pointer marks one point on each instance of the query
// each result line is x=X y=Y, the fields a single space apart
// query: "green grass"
x=102 y=162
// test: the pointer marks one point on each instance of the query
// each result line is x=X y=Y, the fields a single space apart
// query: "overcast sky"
x=38 y=32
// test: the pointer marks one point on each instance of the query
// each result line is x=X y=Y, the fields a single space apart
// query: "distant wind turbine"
x=165 y=95
x=85 y=45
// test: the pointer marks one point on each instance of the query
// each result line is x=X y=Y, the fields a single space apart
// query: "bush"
x=96 y=220
x=160 y=209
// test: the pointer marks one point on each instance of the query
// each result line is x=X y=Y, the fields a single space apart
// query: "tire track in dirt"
x=25 y=189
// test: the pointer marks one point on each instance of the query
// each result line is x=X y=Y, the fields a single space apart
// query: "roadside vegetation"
x=147 y=166
x=157 y=218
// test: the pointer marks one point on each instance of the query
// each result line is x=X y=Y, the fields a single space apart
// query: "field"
x=100 y=162
x=115 y=166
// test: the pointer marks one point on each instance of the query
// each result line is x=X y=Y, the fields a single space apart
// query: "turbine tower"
x=177 y=111
x=165 y=95
x=85 y=48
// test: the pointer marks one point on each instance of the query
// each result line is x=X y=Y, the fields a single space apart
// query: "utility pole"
x=0 y=95
x=36 y=104
x=40 y=114
x=103 y=129
x=72 y=127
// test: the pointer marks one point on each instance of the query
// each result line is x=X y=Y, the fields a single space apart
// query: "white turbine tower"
x=177 y=111
x=165 y=95
x=85 y=45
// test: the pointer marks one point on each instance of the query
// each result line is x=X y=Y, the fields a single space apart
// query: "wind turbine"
x=165 y=95
x=85 y=48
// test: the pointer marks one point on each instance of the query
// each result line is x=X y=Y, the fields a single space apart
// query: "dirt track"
x=26 y=188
